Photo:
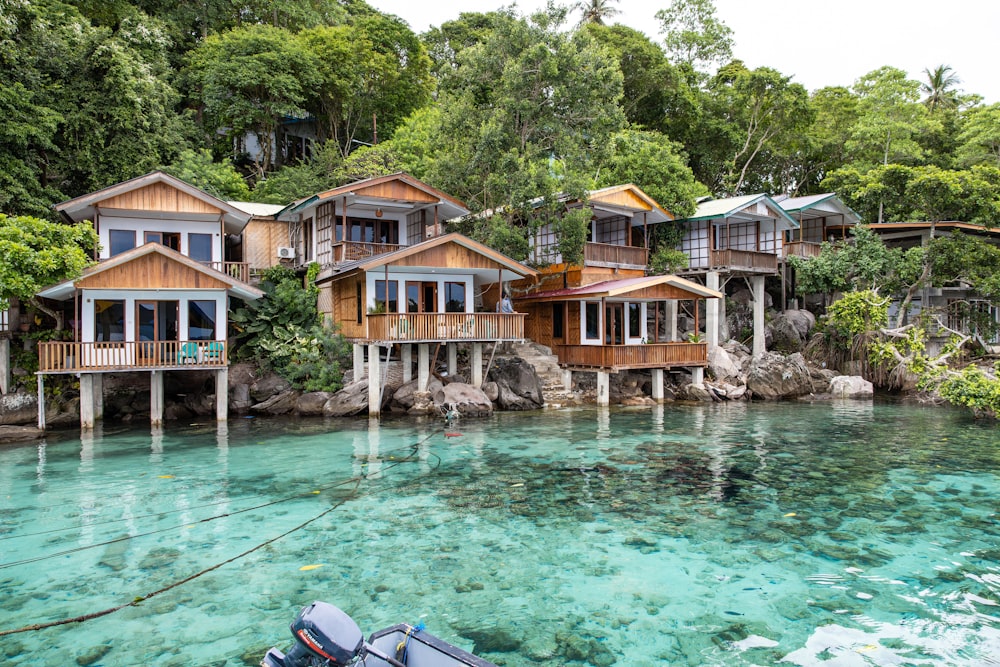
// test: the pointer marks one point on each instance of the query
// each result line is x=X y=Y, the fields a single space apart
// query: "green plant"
x=972 y=388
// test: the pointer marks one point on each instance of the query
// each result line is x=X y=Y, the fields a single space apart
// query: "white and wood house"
x=435 y=293
x=159 y=297
x=737 y=237
x=822 y=217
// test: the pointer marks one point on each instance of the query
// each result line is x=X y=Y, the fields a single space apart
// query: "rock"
x=470 y=401
x=18 y=408
x=491 y=390
x=821 y=378
x=10 y=434
x=404 y=395
x=267 y=386
x=92 y=655
x=517 y=383
x=349 y=401
x=423 y=404
x=311 y=403
x=176 y=412
x=281 y=404
x=851 y=386
x=695 y=392
x=772 y=376
x=721 y=366
x=744 y=297
x=789 y=331
x=240 y=397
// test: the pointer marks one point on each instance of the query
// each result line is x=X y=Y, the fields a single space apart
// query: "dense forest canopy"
x=494 y=108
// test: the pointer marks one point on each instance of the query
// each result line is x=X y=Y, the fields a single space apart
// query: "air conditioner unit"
x=286 y=253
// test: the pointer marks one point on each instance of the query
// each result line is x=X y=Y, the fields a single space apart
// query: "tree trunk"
x=54 y=314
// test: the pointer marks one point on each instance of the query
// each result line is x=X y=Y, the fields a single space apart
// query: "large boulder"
x=404 y=396
x=469 y=400
x=721 y=365
x=349 y=401
x=17 y=434
x=517 y=383
x=270 y=384
x=772 y=376
x=311 y=403
x=789 y=330
x=18 y=408
x=281 y=404
x=851 y=386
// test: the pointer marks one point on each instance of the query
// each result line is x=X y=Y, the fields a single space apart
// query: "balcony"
x=625 y=357
x=802 y=249
x=615 y=256
x=744 y=260
x=445 y=327
x=238 y=270
x=57 y=357
x=351 y=251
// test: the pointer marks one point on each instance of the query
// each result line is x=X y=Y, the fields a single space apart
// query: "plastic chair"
x=213 y=350
x=188 y=354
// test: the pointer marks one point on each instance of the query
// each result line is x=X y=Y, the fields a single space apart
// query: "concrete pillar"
x=423 y=366
x=155 y=398
x=86 y=400
x=4 y=365
x=672 y=322
x=452 y=358
x=406 y=359
x=374 y=381
x=657 y=392
x=603 y=388
x=567 y=378
x=98 y=396
x=41 y=402
x=477 y=365
x=712 y=311
x=757 y=283
x=222 y=394
x=697 y=375
x=359 y=361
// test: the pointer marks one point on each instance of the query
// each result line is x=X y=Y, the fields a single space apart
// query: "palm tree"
x=595 y=11
x=940 y=87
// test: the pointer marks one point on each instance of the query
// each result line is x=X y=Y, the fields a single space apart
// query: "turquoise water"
x=827 y=534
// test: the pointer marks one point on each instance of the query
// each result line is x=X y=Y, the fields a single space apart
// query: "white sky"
x=818 y=43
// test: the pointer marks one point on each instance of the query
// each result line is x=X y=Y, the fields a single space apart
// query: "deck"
x=739 y=261
x=351 y=251
x=445 y=327
x=58 y=357
x=626 y=357
x=615 y=256
x=802 y=249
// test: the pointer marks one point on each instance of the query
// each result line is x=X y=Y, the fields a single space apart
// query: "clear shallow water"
x=830 y=534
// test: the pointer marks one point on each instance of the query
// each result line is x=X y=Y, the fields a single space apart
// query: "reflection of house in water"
x=158 y=300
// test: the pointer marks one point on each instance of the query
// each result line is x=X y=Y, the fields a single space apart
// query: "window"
x=200 y=247
x=121 y=240
x=359 y=300
x=593 y=313
x=634 y=320
x=109 y=320
x=558 y=320
x=201 y=320
x=171 y=240
x=454 y=297
x=413 y=297
x=393 y=305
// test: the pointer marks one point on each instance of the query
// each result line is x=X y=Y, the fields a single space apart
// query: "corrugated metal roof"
x=257 y=209
x=801 y=203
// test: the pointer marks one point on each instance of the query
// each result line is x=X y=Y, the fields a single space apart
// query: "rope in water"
x=142 y=598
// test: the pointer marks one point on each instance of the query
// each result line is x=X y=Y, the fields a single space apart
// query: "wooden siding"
x=448 y=255
x=749 y=260
x=159 y=197
x=445 y=327
x=345 y=304
x=261 y=240
x=625 y=357
x=626 y=198
x=608 y=255
x=802 y=249
x=127 y=356
x=396 y=190
x=151 y=271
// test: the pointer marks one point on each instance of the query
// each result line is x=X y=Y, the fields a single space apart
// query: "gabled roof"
x=713 y=209
x=398 y=257
x=629 y=198
x=412 y=191
x=622 y=287
x=258 y=210
x=819 y=206
x=209 y=208
x=238 y=288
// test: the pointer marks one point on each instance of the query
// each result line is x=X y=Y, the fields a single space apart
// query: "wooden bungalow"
x=429 y=293
x=264 y=242
x=157 y=300
x=822 y=217
x=737 y=237
x=616 y=325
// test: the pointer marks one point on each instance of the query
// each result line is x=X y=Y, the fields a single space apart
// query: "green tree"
x=248 y=80
x=595 y=11
x=940 y=87
x=979 y=138
x=693 y=34
x=36 y=254
x=219 y=179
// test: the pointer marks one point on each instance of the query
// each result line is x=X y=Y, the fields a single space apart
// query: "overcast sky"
x=817 y=43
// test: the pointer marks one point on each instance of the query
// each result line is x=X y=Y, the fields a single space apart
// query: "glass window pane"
x=201 y=320
x=393 y=305
x=454 y=297
x=200 y=247
x=121 y=240
x=593 y=321
x=109 y=320
x=634 y=328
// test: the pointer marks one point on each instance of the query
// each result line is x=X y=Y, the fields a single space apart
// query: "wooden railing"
x=802 y=249
x=605 y=254
x=746 y=260
x=58 y=357
x=238 y=270
x=624 y=357
x=350 y=251
x=426 y=327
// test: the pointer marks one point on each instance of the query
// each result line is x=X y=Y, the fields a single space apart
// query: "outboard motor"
x=324 y=635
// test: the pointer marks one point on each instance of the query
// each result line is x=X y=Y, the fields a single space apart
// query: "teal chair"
x=188 y=354
x=213 y=351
